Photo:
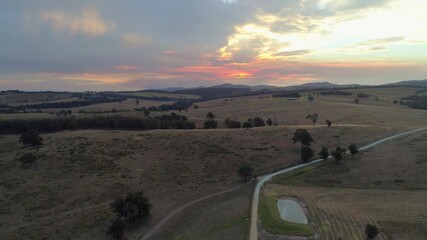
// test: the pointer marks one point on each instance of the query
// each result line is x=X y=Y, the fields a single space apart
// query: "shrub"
x=135 y=207
x=245 y=171
x=306 y=154
x=210 y=124
x=31 y=138
x=258 y=122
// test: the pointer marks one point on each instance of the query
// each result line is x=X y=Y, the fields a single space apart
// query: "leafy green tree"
x=269 y=122
x=313 y=118
x=210 y=115
x=302 y=136
x=210 y=124
x=353 y=149
x=306 y=154
x=116 y=228
x=31 y=138
x=259 y=122
x=324 y=153
x=27 y=159
x=371 y=231
x=245 y=171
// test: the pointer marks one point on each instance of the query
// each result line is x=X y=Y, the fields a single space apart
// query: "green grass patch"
x=271 y=221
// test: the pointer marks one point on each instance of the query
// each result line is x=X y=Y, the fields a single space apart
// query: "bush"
x=31 y=138
x=234 y=124
x=210 y=124
x=247 y=125
x=259 y=122
x=269 y=122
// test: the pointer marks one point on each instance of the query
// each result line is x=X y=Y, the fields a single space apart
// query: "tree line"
x=171 y=121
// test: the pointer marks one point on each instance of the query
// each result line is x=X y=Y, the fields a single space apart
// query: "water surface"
x=291 y=211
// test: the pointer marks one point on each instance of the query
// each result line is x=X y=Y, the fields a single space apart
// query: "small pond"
x=291 y=211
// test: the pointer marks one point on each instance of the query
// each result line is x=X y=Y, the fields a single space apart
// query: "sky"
x=101 y=45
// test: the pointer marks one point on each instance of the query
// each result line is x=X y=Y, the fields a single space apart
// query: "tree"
x=301 y=135
x=247 y=125
x=306 y=154
x=356 y=101
x=135 y=207
x=324 y=153
x=210 y=115
x=269 y=122
x=196 y=107
x=31 y=138
x=234 y=124
x=137 y=101
x=259 y=122
x=353 y=149
x=210 y=124
x=116 y=228
x=146 y=113
x=337 y=154
x=310 y=98
x=245 y=171
x=371 y=231
x=227 y=122
x=27 y=159
x=313 y=118
x=70 y=112
x=329 y=123
x=251 y=122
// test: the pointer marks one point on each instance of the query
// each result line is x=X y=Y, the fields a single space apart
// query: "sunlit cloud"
x=88 y=23
x=126 y=67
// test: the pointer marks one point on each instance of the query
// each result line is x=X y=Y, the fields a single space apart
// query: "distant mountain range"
x=411 y=83
x=229 y=90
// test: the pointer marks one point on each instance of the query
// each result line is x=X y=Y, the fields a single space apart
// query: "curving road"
x=253 y=235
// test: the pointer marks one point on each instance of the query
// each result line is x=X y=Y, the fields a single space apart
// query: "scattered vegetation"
x=329 y=123
x=172 y=121
x=288 y=95
x=245 y=172
x=337 y=93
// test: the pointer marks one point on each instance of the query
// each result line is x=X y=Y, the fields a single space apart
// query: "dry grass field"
x=66 y=194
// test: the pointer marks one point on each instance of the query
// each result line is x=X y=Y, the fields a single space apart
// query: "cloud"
x=88 y=23
x=126 y=67
x=293 y=53
x=372 y=45
x=135 y=40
